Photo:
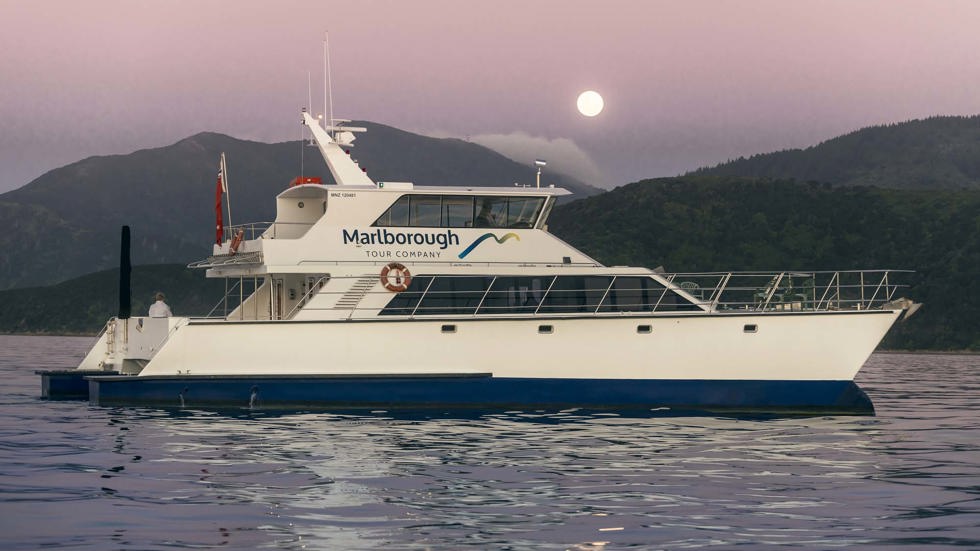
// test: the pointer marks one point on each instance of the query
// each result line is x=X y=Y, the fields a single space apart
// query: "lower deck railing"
x=477 y=295
x=803 y=291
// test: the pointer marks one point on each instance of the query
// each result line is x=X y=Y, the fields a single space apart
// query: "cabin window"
x=448 y=328
x=491 y=212
x=522 y=211
x=425 y=211
x=397 y=215
x=462 y=211
x=457 y=211
x=507 y=212
x=515 y=295
x=571 y=294
x=466 y=295
x=546 y=329
x=453 y=295
x=632 y=294
x=405 y=302
x=644 y=329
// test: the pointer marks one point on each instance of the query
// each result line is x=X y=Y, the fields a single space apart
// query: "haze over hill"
x=933 y=153
x=66 y=222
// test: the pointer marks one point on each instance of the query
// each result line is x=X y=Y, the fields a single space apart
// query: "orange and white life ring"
x=236 y=242
x=396 y=277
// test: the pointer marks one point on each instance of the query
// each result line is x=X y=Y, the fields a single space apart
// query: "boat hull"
x=792 y=346
x=478 y=391
x=67 y=384
x=713 y=362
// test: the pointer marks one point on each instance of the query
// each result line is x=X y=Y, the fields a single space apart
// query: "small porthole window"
x=546 y=329
x=448 y=328
x=301 y=204
x=750 y=328
x=644 y=329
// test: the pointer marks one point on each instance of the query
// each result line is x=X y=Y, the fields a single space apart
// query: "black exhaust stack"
x=125 y=292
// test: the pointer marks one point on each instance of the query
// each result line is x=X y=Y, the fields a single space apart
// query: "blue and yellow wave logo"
x=483 y=238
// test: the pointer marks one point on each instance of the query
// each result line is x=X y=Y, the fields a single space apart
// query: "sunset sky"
x=686 y=84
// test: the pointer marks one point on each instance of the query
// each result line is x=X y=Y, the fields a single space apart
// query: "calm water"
x=75 y=476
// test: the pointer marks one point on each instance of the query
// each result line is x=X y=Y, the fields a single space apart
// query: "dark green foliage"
x=686 y=224
x=935 y=153
x=83 y=305
x=697 y=224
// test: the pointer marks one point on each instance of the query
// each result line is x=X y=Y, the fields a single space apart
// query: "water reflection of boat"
x=388 y=294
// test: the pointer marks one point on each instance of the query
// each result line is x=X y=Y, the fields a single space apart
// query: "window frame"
x=485 y=301
x=540 y=206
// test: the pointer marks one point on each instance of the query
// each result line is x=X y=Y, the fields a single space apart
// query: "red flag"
x=219 y=224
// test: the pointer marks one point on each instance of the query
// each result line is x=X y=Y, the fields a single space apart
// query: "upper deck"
x=317 y=224
x=482 y=250
x=402 y=204
x=357 y=221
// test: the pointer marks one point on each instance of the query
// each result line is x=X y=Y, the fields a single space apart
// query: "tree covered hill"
x=697 y=224
x=82 y=305
x=933 y=153
x=686 y=224
x=65 y=223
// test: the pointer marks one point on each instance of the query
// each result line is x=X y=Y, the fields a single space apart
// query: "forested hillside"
x=685 y=224
x=934 y=153
x=693 y=224
x=83 y=305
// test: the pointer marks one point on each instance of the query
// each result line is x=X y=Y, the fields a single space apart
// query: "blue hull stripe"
x=481 y=391
x=68 y=384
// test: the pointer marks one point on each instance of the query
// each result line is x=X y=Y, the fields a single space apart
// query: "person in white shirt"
x=159 y=309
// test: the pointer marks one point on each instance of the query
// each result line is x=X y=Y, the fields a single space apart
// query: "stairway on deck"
x=353 y=296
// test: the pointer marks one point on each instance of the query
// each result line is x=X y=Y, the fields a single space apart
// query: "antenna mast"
x=224 y=183
x=309 y=91
x=328 y=84
x=302 y=133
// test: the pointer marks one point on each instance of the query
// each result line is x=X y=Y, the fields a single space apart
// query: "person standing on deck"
x=159 y=309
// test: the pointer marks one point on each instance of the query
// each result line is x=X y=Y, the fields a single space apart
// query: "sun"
x=590 y=103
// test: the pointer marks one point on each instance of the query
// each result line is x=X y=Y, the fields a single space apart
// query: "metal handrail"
x=252 y=229
x=224 y=299
x=725 y=291
x=256 y=230
x=306 y=296
x=836 y=292
x=777 y=294
x=716 y=293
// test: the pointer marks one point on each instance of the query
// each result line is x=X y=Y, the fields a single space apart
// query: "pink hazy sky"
x=686 y=83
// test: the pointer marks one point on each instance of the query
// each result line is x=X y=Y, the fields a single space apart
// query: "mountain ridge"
x=63 y=223
x=722 y=224
x=940 y=152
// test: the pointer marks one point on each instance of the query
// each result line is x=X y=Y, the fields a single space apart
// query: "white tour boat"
x=387 y=294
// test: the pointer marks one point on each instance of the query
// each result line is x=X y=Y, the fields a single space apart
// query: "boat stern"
x=124 y=347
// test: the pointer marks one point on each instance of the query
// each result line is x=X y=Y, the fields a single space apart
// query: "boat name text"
x=382 y=236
